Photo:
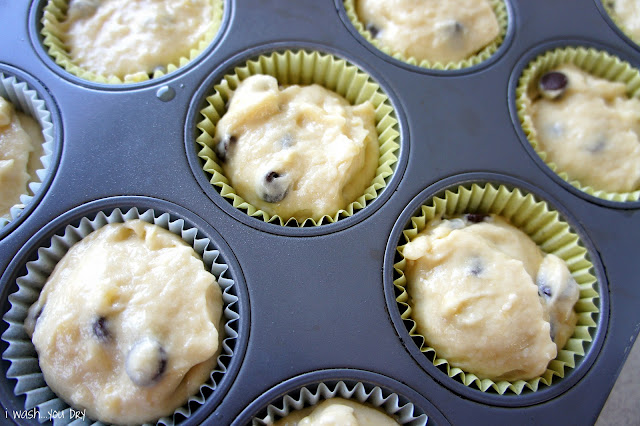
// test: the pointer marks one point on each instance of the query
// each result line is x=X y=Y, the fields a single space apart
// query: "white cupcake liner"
x=27 y=100
x=22 y=354
x=404 y=413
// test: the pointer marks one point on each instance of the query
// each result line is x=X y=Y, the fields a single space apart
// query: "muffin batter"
x=627 y=12
x=435 y=30
x=20 y=151
x=298 y=151
x=487 y=299
x=590 y=129
x=126 y=326
x=338 y=411
x=124 y=37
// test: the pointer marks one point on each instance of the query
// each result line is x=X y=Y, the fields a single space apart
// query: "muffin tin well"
x=317 y=304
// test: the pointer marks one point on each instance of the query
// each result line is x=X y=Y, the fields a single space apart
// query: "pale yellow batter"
x=487 y=299
x=127 y=324
x=435 y=30
x=125 y=37
x=297 y=151
x=338 y=412
x=20 y=150
x=627 y=12
x=591 y=131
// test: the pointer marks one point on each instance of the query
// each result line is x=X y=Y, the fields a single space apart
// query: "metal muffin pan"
x=315 y=307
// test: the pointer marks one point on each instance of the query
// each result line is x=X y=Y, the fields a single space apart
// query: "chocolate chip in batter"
x=597 y=147
x=544 y=289
x=222 y=147
x=274 y=187
x=100 y=329
x=475 y=217
x=477 y=266
x=553 y=84
x=146 y=362
x=287 y=141
x=373 y=30
x=454 y=28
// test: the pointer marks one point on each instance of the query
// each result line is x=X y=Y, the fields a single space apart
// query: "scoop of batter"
x=338 y=412
x=627 y=12
x=20 y=150
x=124 y=37
x=589 y=128
x=434 y=30
x=297 y=151
x=487 y=299
x=126 y=326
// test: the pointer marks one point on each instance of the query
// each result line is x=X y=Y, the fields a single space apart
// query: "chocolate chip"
x=100 y=329
x=598 y=146
x=274 y=187
x=475 y=217
x=146 y=362
x=455 y=28
x=477 y=267
x=287 y=141
x=222 y=147
x=373 y=30
x=553 y=84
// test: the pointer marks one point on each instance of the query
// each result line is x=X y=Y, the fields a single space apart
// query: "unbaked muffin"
x=20 y=150
x=487 y=299
x=296 y=151
x=588 y=127
x=128 y=38
x=433 y=30
x=627 y=15
x=338 y=411
x=127 y=325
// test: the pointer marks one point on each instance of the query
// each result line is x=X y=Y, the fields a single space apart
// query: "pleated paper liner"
x=303 y=68
x=499 y=8
x=608 y=7
x=53 y=33
x=26 y=99
x=550 y=233
x=22 y=355
x=598 y=63
x=374 y=396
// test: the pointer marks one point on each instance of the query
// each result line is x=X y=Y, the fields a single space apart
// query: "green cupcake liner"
x=595 y=62
x=303 y=68
x=53 y=33
x=22 y=355
x=499 y=8
x=607 y=4
x=550 y=233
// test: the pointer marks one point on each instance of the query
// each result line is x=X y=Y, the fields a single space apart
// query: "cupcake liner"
x=304 y=68
x=307 y=396
x=499 y=8
x=22 y=354
x=27 y=100
x=595 y=62
x=609 y=9
x=547 y=229
x=53 y=33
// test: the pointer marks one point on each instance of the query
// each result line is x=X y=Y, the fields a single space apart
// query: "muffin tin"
x=316 y=305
